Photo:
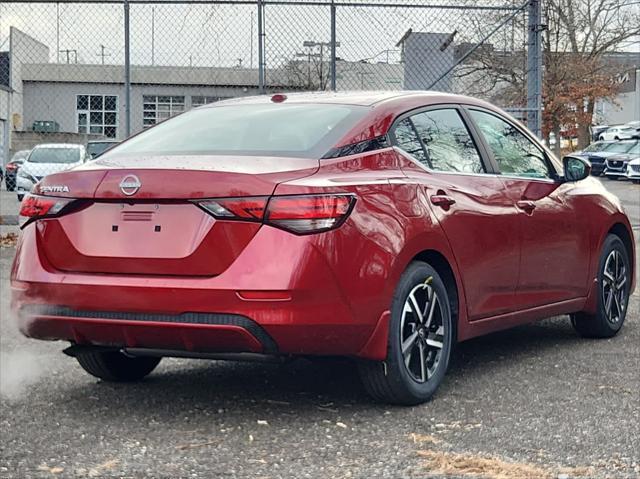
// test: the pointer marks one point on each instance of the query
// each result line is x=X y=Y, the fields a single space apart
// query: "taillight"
x=12 y=167
x=300 y=214
x=34 y=207
x=248 y=209
x=309 y=213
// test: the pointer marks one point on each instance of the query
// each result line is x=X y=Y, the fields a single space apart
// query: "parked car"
x=633 y=170
x=12 y=168
x=380 y=226
x=46 y=159
x=595 y=131
x=616 y=165
x=635 y=126
x=603 y=150
x=617 y=133
x=97 y=147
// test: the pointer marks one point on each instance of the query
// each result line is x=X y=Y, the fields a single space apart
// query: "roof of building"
x=152 y=75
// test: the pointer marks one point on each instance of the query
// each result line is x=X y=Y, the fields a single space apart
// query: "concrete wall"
x=23 y=49
x=57 y=101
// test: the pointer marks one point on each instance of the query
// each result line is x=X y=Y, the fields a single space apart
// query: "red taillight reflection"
x=34 y=206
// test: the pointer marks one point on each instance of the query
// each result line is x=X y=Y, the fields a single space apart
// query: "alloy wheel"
x=614 y=281
x=422 y=332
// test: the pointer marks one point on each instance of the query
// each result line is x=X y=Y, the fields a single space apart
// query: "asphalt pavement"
x=534 y=401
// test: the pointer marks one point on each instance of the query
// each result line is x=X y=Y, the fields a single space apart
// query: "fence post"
x=127 y=71
x=261 y=65
x=333 y=46
x=534 y=67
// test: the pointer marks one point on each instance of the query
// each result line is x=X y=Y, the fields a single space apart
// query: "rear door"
x=555 y=237
x=470 y=203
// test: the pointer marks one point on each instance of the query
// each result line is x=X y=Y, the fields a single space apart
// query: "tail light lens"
x=299 y=214
x=309 y=214
x=34 y=207
x=247 y=209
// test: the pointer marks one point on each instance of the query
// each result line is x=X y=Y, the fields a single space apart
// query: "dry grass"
x=8 y=240
x=452 y=464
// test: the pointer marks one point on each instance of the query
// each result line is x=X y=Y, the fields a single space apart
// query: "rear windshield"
x=622 y=147
x=54 y=155
x=294 y=130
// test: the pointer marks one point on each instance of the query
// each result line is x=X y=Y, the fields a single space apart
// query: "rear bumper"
x=284 y=288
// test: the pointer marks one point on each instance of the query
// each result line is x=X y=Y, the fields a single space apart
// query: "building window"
x=203 y=100
x=97 y=114
x=158 y=108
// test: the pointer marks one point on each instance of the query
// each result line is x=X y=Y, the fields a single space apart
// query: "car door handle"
x=442 y=200
x=526 y=206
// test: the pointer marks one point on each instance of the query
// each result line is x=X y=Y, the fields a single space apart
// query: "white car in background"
x=616 y=133
x=46 y=159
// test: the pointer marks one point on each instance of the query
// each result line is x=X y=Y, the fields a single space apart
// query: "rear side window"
x=293 y=130
x=513 y=151
x=443 y=138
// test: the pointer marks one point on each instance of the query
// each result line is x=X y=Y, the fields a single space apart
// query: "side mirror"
x=575 y=168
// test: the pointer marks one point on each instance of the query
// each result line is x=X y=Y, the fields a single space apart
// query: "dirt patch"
x=8 y=240
x=453 y=464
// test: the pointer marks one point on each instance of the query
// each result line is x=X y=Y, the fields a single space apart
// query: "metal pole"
x=153 y=36
x=333 y=47
x=127 y=72
x=534 y=68
x=261 y=86
x=58 y=32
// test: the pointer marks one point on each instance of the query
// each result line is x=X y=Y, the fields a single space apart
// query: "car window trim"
x=440 y=106
x=555 y=177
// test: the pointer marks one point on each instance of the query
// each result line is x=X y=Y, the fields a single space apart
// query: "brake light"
x=12 y=166
x=248 y=209
x=309 y=214
x=34 y=206
x=300 y=214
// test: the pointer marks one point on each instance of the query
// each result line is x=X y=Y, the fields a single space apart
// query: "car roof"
x=58 y=145
x=362 y=98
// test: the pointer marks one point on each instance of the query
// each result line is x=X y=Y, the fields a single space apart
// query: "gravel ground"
x=537 y=396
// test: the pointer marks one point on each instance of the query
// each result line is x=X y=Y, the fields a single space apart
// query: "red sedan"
x=381 y=226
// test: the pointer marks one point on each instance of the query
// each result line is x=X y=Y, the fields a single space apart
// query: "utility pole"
x=102 y=53
x=534 y=68
x=311 y=44
x=67 y=52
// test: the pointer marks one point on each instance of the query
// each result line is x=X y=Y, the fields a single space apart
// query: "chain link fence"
x=76 y=72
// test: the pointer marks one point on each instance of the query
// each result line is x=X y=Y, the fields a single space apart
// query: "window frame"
x=87 y=111
x=489 y=167
x=551 y=165
x=156 y=102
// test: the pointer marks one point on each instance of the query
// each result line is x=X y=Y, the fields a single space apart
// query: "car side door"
x=555 y=236
x=469 y=202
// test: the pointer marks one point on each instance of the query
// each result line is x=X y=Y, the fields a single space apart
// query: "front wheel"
x=116 y=366
x=419 y=343
x=614 y=282
x=20 y=197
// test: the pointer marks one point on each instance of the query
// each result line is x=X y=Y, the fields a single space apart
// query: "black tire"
x=391 y=381
x=115 y=366
x=20 y=197
x=601 y=324
x=636 y=182
x=601 y=138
